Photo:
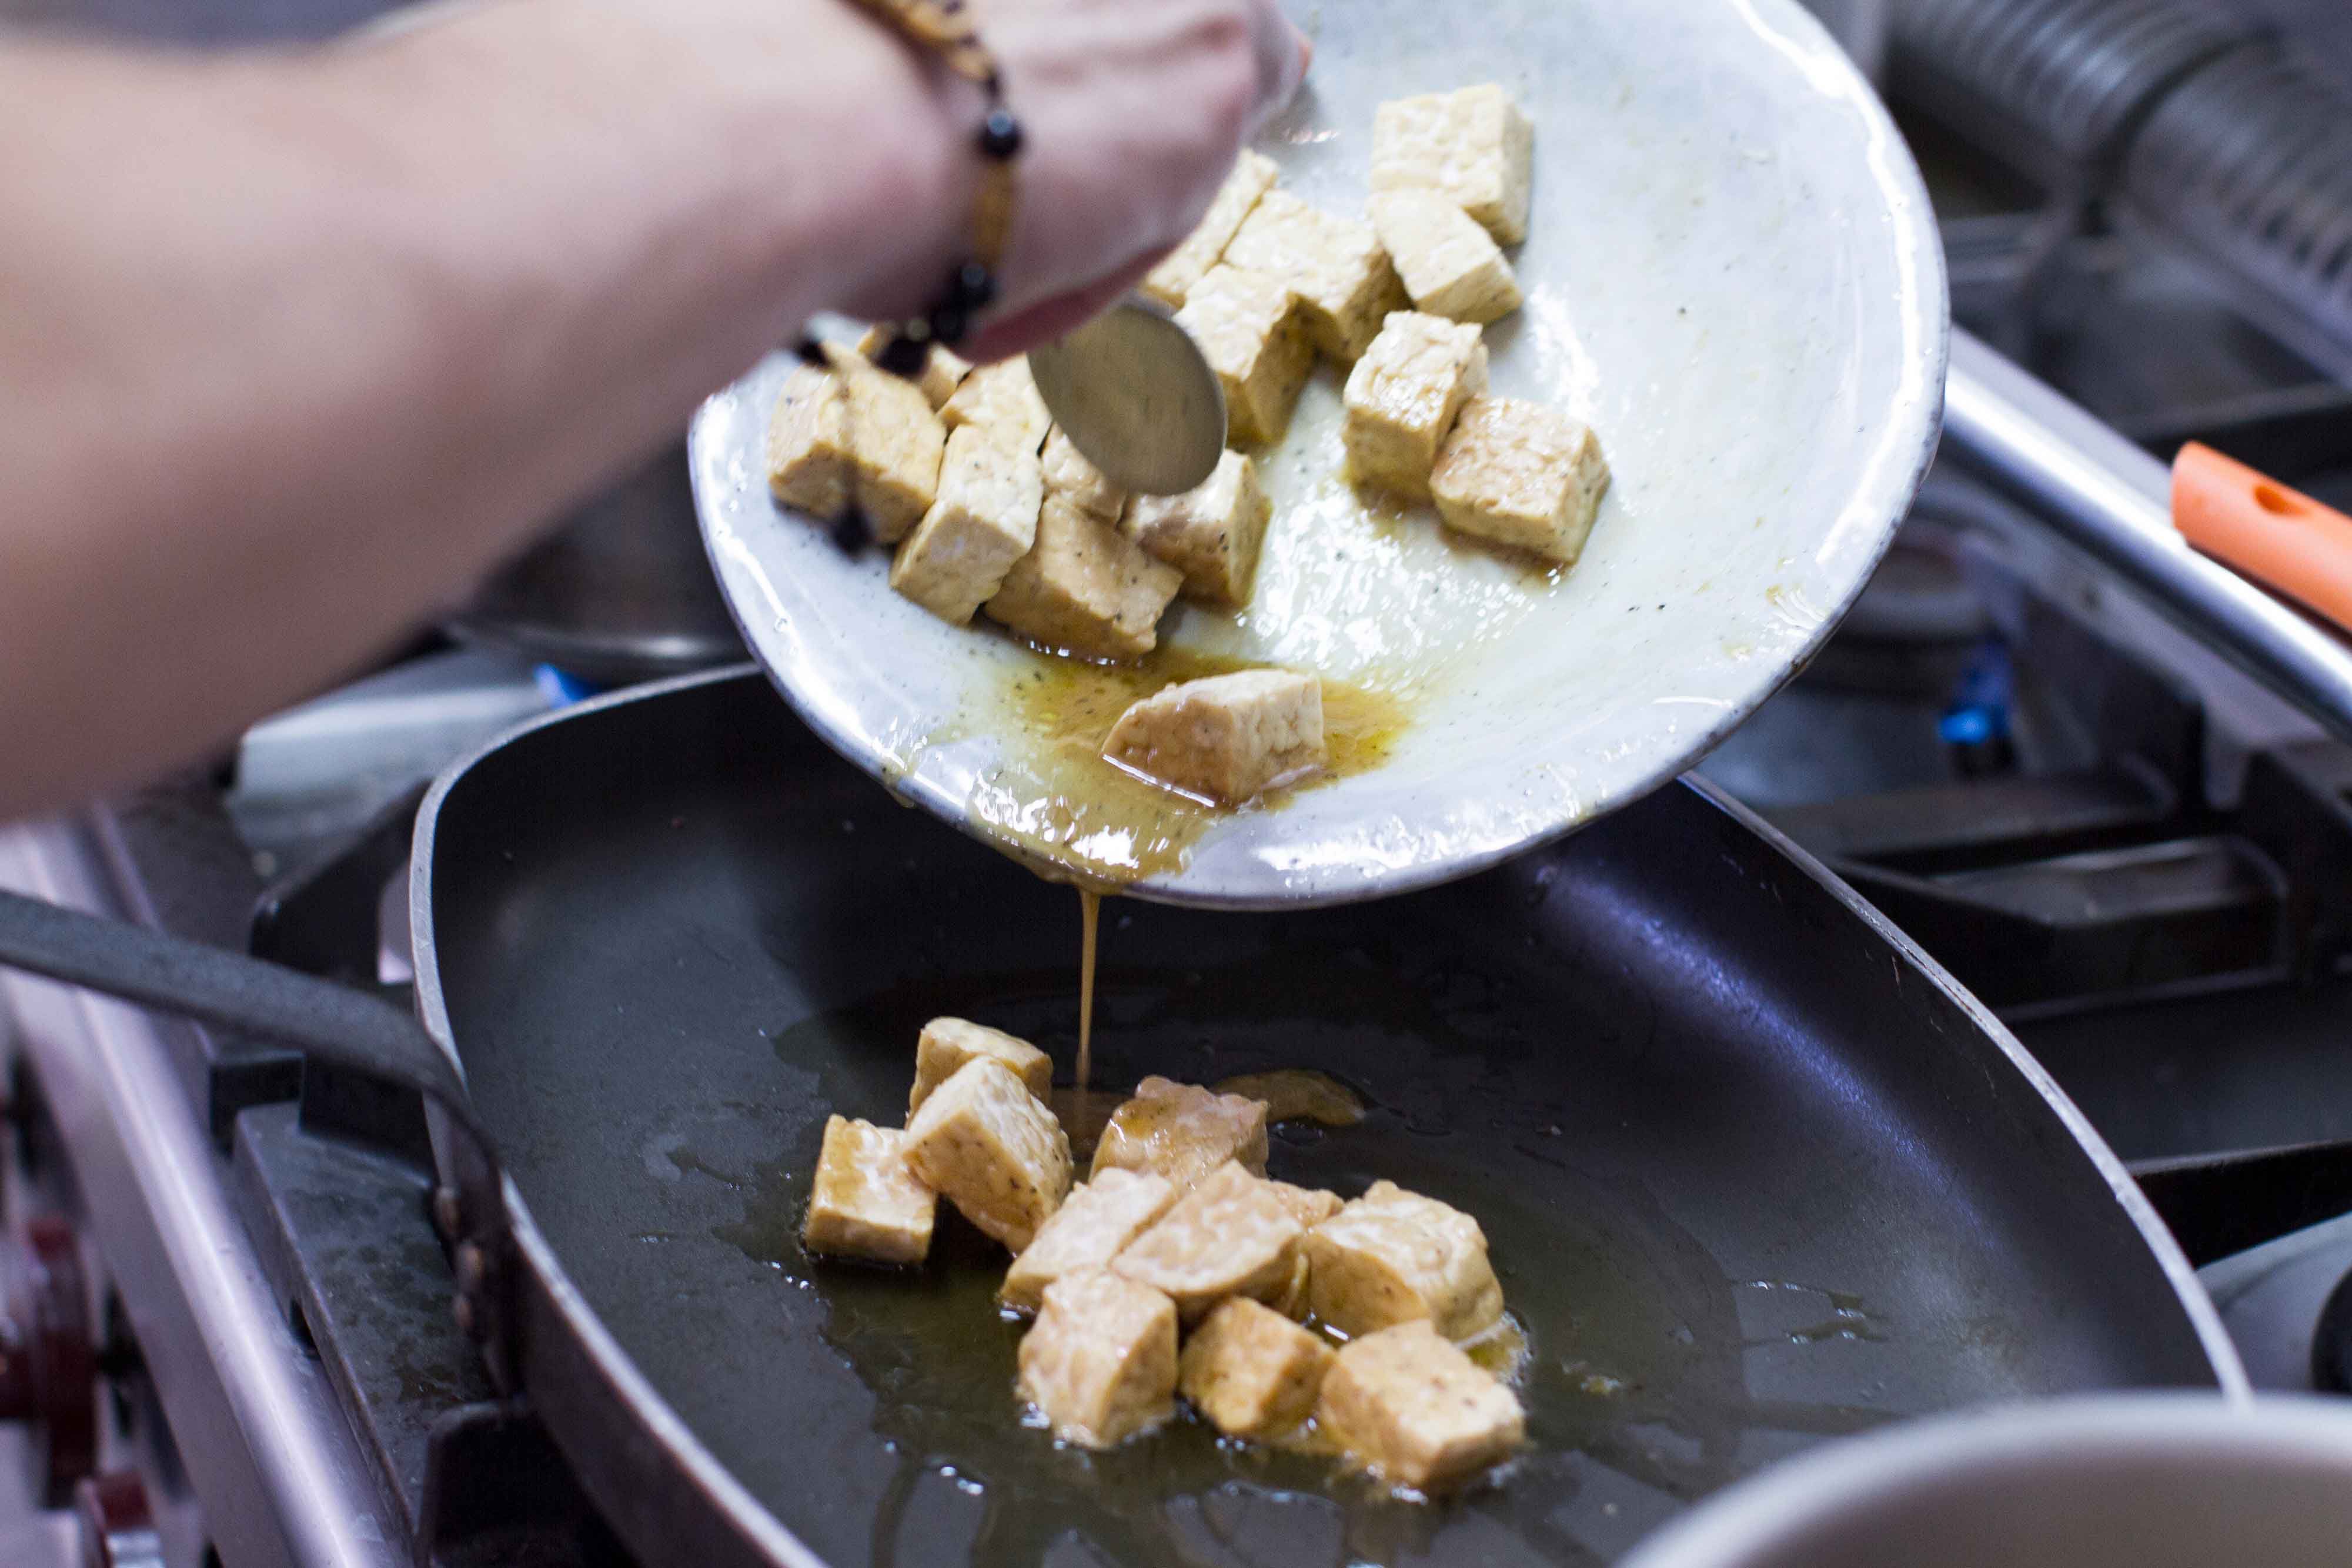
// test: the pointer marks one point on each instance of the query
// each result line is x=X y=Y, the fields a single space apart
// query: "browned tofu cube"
x=1417 y=1411
x=1251 y=1371
x=1310 y=1205
x=1337 y=267
x=1450 y=266
x=1212 y=534
x=942 y=370
x=1002 y=398
x=1085 y=588
x=1070 y=475
x=867 y=1202
x=1227 y=738
x=946 y=1044
x=984 y=520
x=1296 y=1301
x=1227 y=1237
x=1474 y=147
x=1404 y=395
x=1394 y=1257
x=983 y=1141
x=1251 y=328
x=1182 y=1132
x=1521 y=475
x=855 y=436
x=1170 y=281
x=1092 y=1226
x=1100 y=1361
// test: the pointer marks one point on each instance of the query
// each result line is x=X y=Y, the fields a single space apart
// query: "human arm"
x=296 y=345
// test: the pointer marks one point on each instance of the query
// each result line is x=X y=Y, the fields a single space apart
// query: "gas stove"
x=234 y=1341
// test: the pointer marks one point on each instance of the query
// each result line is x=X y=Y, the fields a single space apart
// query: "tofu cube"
x=1404 y=395
x=1253 y=331
x=1394 y=1257
x=1416 y=1411
x=1251 y=1371
x=855 y=436
x=1227 y=1237
x=1182 y=1132
x=1002 y=398
x=1070 y=475
x=1474 y=147
x=942 y=370
x=1343 y=275
x=1296 y=1301
x=867 y=1202
x=946 y=1044
x=1450 y=265
x=1100 y=1361
x=1171 y=281
x=1085 y=588
x=984 y=520
x=983 y=1141
x=1227 y=738
x=1212 y=534
x=1309 y=1206
x=1092 y=1226
x=809 y=464
x=1522 y=474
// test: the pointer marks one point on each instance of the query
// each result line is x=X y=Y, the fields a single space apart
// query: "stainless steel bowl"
x=2156 y=1481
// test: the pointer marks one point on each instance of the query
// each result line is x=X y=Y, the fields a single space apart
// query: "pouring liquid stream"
x=1090 y=919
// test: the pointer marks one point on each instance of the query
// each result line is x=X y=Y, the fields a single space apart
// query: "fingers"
x=1134 y=110
x=1283 y=53
x=1042 y=323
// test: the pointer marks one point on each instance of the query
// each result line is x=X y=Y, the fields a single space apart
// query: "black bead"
x=810 y=351
x=852 y=533
x=999 y=134
x=973 y=287
x=949 y=324
x=903 y=356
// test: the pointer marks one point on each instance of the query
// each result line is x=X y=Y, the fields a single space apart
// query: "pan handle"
x=328 y=1023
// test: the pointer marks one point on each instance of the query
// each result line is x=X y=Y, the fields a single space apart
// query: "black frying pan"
x=1754 y=1173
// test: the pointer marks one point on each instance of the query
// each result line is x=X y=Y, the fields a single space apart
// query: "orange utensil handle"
x=2279 y=536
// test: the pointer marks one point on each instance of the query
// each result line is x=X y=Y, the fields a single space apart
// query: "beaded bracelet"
x=945 y=29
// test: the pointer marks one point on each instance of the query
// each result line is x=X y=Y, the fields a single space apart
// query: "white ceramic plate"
x=1732 y=272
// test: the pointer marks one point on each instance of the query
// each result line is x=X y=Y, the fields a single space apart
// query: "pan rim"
x=755 y=1524
x=752 y=1519
x=2220 y=1349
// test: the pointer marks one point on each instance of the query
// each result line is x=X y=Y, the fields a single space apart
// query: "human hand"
x=1134 y=112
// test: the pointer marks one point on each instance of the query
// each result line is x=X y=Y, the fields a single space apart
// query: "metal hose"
x=2250 y=161
x=2069 y=78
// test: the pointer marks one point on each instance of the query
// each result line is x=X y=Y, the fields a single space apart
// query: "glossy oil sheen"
x=1753 y=1175
x=1630 y=1322
x=1057 y=805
